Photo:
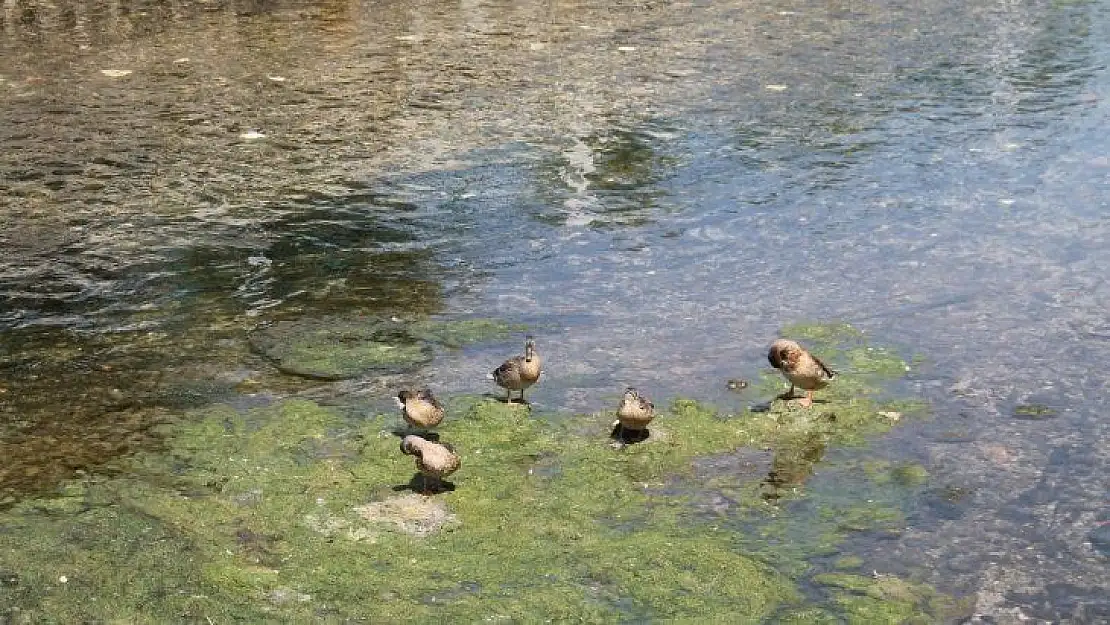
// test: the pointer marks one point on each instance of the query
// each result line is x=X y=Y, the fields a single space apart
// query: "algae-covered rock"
x=1034 y=412
x=585 y=542
x=848 y=562
x=463 y=332
x=909 y=474
x=338 y=349
x=886 y=599
x=1100 y=538
x=293 y=512
x=906 y=474
x=807 y=616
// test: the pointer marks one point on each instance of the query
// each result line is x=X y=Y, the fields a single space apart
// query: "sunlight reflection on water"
x=638 y=195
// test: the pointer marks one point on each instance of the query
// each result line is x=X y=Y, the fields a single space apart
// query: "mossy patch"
x=463 y=332
x=880 y=599
x=1034 y=412
x=823 y=333
x=846 y=563
x=339 y=349
x=904 y=474
x=296 y=512
x=807 y=616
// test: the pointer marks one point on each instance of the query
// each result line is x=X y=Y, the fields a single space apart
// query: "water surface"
x=654 y=188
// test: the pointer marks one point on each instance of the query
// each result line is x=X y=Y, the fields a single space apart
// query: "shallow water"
x=655 y=189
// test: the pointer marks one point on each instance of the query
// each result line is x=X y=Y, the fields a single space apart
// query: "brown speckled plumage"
x=519 y=372
x=420 y=409
x=635 y=411
x=802 y=368
x=433 y=460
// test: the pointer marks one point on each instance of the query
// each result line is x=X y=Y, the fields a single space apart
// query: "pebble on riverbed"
x=1100 y=538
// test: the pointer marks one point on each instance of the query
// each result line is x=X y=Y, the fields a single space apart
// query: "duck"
x=434 y=460
x=800 y=367
x=420 y=409
x=519 y=372
x=634 y=414
x=635 y=411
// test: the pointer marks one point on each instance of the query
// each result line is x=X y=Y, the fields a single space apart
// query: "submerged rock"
x=1100 y=539
x=462 y=332
x=1034 y=412
x=339 y=349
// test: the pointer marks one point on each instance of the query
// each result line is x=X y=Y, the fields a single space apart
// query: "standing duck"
x=420 y=409
x=434 y=461
x=519 y=372
x=802 y=368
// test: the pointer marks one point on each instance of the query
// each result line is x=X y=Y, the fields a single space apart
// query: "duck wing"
x=426 y=395
x=829 y=372
x=506 y=368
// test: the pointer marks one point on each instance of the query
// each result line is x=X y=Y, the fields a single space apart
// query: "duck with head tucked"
x=519 y=372
x=800 y=367
x=434 y=461
x=420 y=409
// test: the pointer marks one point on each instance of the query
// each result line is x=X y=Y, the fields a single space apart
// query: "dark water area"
x=654 y=189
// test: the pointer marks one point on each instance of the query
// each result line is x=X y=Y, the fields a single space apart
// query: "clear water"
x=655 y=188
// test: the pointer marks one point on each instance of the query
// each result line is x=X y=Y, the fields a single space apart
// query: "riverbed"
x=653 y=190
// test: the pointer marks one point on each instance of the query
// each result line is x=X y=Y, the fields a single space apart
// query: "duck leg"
x=788 y=394
x=806 y=401
x=508 y=396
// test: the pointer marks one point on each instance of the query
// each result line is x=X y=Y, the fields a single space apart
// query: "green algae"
x=845 y=563
x=269 y=506
x=338 y=349
x=807 y=616
x=906 y=474
x=296 y=512
x=463 y=332
x=882 y=599
x=106 y=563
x=1034 y=412
x=823 y=333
